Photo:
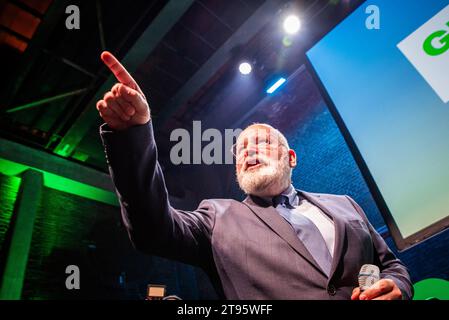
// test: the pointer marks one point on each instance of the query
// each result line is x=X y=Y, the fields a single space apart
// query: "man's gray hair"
x=281 y=137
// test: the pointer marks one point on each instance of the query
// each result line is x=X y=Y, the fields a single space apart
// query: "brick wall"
x=9 y=187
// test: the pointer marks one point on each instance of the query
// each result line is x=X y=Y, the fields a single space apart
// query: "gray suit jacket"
x=248 y=250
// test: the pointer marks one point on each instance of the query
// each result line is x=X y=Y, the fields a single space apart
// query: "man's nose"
x=251 y=150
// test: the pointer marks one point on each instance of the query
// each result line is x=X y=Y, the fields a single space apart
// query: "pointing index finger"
x=118 y=70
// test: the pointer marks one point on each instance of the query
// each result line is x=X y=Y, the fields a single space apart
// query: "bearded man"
x=278 y=243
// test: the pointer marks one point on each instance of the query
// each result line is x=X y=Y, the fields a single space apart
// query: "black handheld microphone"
x=369 y=274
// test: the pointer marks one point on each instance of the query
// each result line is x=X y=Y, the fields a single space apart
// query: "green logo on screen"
x=437 y=43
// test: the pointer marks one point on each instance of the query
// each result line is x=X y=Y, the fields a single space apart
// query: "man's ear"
x=292 y=158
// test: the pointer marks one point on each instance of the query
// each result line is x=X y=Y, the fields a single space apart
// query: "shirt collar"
x=291 y=194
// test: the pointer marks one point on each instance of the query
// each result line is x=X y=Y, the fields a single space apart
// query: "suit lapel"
x=340 y=230
x=276 y=222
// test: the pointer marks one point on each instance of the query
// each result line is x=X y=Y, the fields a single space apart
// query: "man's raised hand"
x=125 y=104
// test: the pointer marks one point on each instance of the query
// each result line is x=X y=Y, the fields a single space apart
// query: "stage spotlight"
x=245 y=68
x=276 y=85
x=292 y=24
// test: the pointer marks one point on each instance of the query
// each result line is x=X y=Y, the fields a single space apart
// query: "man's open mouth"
x=253 y=164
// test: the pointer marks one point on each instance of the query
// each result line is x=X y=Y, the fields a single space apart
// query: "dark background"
x=186 y=62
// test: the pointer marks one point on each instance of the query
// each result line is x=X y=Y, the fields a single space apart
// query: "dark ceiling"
x=182 y=53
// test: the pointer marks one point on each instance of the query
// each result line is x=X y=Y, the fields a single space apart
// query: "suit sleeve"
x=153 y=225
x=390 y=266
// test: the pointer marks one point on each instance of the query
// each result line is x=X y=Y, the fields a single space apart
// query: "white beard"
x=268 y=180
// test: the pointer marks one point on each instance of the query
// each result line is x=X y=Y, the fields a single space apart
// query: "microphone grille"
x=369 y=274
